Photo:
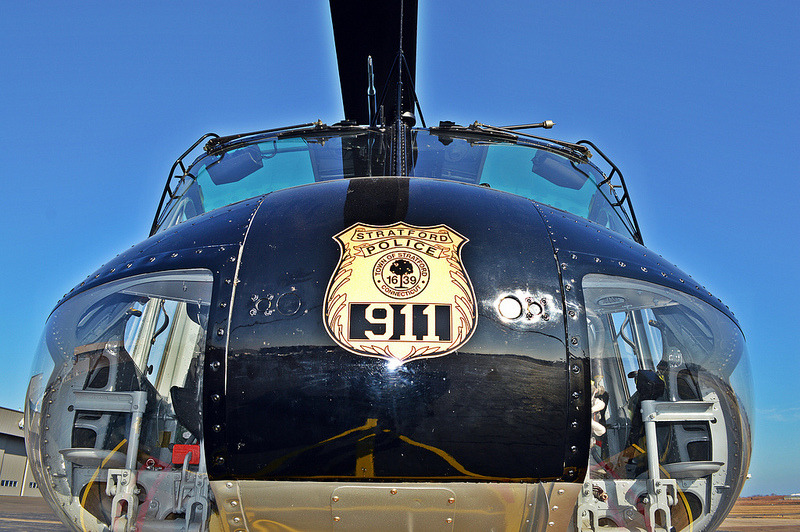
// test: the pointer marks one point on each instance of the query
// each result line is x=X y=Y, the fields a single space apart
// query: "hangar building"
x=15 y=472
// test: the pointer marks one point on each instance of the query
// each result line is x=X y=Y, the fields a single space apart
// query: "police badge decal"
x=400 y=292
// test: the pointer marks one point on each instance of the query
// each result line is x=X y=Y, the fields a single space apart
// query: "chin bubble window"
x=115 y=394
x=671 y=407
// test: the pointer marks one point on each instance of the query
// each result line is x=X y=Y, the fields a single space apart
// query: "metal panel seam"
x=233 y=290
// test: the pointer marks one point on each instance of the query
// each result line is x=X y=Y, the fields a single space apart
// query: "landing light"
x=510 y=308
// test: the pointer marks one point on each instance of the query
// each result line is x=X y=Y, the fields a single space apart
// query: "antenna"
x=400 y=60
x=402 y=63
x=400 y=132
x=371 y=104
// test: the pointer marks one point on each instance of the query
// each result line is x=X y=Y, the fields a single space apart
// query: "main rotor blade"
x=363 y=28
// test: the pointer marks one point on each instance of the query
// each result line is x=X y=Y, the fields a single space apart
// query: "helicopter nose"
x=424 y=316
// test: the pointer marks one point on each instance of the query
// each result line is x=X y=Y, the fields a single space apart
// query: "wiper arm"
x=547 y=124
x=212 y=144
x=513 y=133
x=313 y=128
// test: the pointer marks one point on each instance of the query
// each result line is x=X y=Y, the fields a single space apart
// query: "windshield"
x=524 y=168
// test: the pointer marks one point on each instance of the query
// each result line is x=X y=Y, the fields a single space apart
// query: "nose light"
x=510 y=308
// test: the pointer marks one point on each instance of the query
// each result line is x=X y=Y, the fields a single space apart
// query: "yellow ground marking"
x=365 y=462
x=16 y=519
x=447 y=458
x=370 y=424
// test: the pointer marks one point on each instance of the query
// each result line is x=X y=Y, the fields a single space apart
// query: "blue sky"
x=697 y=102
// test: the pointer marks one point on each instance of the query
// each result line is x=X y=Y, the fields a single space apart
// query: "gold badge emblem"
x=400 y=292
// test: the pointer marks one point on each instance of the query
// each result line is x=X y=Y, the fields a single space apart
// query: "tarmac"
x=28 y=514
x=759 y=524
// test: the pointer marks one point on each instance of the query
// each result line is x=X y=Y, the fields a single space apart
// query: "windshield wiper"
x=214 y=143
x=512 y=133
x=547 y=124
x=313 y=128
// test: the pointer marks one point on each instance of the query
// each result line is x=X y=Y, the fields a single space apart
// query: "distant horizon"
x=770 y=495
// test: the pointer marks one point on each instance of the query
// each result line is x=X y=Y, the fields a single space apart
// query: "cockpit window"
x=117 y=383
x=535 y=171
x=661 y=357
